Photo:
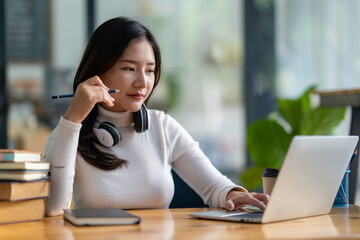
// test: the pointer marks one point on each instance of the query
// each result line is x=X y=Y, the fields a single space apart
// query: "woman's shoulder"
x=157 y=114
x=177 y=137
x=161 y=117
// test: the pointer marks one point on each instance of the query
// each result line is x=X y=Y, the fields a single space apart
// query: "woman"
x=93 y=165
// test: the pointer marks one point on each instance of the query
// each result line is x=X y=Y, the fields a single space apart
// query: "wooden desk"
x=158 y=224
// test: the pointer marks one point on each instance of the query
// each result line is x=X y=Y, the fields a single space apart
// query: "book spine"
x=6 y=157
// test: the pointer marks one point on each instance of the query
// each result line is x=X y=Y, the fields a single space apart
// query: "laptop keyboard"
x=249 y=216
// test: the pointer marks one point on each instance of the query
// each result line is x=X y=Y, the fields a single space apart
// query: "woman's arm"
x=60 y=152
x=61 y=148
x=197 y=171
x=191 y=164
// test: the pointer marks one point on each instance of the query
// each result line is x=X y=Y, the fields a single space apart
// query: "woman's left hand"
x=237 y=199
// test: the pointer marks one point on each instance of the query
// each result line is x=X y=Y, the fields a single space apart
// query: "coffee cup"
x=268 y=178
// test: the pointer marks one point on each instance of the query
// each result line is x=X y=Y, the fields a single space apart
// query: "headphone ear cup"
x=141 y=120
x=108 y=134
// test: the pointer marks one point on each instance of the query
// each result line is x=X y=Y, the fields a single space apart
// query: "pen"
x=72 y=95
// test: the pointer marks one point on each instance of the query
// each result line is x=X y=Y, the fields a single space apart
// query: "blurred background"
x=224 y=62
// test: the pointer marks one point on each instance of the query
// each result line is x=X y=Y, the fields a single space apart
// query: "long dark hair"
x=105 y=46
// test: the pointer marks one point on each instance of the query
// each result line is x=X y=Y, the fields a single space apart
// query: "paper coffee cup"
x=269 y=178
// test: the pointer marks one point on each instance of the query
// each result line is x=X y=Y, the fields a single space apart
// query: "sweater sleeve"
x=60 y=152
x=191 y=164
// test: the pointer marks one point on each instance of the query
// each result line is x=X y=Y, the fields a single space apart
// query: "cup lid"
x=270 y=172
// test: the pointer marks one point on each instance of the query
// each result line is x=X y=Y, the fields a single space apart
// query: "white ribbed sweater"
x=146 y=182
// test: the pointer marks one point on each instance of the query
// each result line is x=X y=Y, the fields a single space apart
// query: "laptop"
x=307 y=182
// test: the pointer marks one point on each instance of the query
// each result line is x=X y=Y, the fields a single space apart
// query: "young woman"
x=109 y=151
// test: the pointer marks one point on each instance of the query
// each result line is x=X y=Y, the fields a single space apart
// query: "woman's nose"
x=140 y=81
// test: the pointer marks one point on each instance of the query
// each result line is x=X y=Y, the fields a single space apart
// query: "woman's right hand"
x=87 y=94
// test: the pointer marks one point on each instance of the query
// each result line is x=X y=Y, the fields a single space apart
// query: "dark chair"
x=184 y=196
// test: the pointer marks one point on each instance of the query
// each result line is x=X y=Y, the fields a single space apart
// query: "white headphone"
x=109 y=135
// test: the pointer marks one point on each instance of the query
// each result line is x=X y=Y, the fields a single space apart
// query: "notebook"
x=102 y=216
x=307 y=182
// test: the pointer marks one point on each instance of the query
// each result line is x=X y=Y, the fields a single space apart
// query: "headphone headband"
x=141 y=121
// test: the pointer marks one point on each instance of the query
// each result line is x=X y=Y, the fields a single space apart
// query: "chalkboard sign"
x=27 y=24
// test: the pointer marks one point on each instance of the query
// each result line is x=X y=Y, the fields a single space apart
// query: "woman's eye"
x=150 y=70
x=129 y=69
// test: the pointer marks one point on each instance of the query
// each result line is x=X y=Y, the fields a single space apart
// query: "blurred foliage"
x=173 y=90
x=268 y=139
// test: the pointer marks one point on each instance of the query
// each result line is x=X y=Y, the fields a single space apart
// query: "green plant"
x=268 y=139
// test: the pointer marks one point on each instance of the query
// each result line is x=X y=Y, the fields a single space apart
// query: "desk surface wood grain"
x=157 y=224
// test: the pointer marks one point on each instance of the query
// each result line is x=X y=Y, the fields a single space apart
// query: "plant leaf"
x=322 y=120
x=305 y=100
x=293 y=110
x=251 y=178
x=290 y=112
x=267 y=143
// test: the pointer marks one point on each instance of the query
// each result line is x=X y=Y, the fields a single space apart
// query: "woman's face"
x=133 y=74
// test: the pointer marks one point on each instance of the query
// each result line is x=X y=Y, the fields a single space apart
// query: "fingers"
x=96 y=81
x=262 y=197
x=230 y=205
x=257 y=203
x=96 y=91
x=242 y=199
x=107 y=98
x=87 y=94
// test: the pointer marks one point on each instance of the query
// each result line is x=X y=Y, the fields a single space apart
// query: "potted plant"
x=268 y=139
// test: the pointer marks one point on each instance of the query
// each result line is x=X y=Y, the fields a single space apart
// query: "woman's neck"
x=120 y=119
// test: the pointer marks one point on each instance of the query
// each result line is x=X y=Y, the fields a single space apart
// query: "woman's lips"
x=137 y=96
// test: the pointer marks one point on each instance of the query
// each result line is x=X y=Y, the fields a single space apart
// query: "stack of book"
x=24 y=185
